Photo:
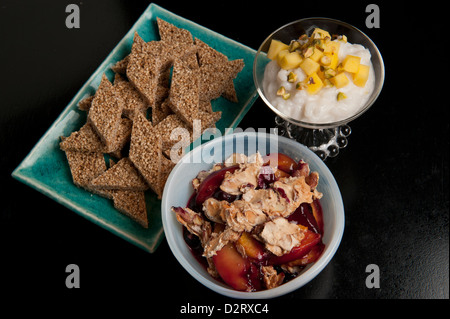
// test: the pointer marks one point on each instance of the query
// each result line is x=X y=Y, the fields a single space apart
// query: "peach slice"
x=233 y=268
x=310 y=240
x=251 y=247
x=310 y=257
x=280 y=161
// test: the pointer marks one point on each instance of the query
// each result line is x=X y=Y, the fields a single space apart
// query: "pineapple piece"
x=317 y=54
x=313 y=83
x=332 y=47
x=351 y=63
x=320 y=34
x=309 y=66
x=361 y=76
x=340 y=80
x=290 y=60
x=275 y=48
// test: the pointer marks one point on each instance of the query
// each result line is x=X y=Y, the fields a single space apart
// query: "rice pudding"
x=318 y=80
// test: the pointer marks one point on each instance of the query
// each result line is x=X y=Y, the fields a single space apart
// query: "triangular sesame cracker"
x=84 y=140
x=132 y=204
x=214 y=78
x=145 y=70
x=167 y=126
x=122 y=176
x=177 y=42
x=218 y=64
x=145 y=151
x=132 y=98
x=208 y=55
x=105 y=113
x=85 y=166
x=184 y=91
x=160 y=111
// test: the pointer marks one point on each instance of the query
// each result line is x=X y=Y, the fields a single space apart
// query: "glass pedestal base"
x=324 y=142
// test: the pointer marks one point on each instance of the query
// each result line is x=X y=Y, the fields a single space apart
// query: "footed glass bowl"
x=325 y=139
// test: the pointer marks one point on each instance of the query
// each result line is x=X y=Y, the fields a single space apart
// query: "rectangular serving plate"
x=46 y=169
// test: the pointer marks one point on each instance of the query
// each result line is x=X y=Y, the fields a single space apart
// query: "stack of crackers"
x=160 y=86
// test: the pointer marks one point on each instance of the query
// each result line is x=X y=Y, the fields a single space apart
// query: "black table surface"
x=393 y=175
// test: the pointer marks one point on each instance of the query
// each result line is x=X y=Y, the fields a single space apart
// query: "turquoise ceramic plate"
x=46 y=168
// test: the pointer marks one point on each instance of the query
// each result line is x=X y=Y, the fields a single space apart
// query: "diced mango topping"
x=275 y=48
x=318 y=57
x=340 y=80
x=351 y=63
x=290 y=60
x=313 y=83
x=334 y=60
x=281 y=55
x=309 y=66
x=332 y=47
x=361 y=76
x=317 y=54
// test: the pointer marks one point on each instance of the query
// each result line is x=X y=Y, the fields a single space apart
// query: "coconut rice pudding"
x=318 y=79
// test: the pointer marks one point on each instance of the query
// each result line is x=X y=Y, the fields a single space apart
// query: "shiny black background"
x=393 y=175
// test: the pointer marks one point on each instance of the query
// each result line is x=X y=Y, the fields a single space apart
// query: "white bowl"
x=178 y=189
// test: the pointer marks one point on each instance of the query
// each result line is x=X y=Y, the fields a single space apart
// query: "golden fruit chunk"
x=280 y=55
x=313 y=83
x=351 y=63
x=332 y=47
x=317 y=54
x=361 y=76
x=275 y=47
x=340 y=80
x=334 y=60
x=290 y=60
x=309 y=66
